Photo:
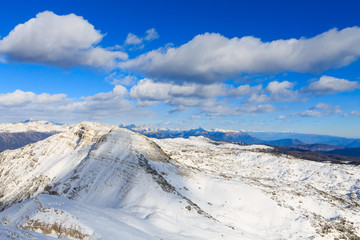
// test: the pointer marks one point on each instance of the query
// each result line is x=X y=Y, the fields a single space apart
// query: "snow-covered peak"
x=33 y=125
x=91 y=145
x=225 y=131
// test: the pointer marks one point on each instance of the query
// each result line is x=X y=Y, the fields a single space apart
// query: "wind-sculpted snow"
x=97 y=181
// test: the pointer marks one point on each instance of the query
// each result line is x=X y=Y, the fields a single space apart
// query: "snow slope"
x=97 y=181
x=269 y=196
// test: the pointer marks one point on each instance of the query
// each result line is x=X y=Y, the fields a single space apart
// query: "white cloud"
x=274 y=92
x=150 y=92
x=319 y=110
x=118 y=91
x=328 y=85
x=327 y=109
x=202 y=97
x=118 y=103
x=212 y=57
x=280 y=88
x=262 y=108
x=116 y=78
x=151 y=34
x=258 y=97
x=112 y=105
x=132 y=39
x=18 y=98
x=60 y=40
x=244 y=90
x=282 y=91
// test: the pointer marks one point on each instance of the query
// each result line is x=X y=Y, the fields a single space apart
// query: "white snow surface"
x=34 y=126
x=97 y=181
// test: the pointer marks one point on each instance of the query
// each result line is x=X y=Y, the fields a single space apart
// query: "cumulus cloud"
x=319 y=110
x=244 y=90
x=282 y=91
x=336 y=109
x=148 y=92
x=328 y=85
x=208 y=99
x=211 y=57
x=18 y=98
x=280 y=88
x=132 y=39
x=151 y=34
x=274 y=92
x=60 y=40
x=114 y=104
x=258 y=97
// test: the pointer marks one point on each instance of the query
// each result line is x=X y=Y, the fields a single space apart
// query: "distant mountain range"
x=300 y=141
x=248 y=137
x=307 y=138
x=230 y=136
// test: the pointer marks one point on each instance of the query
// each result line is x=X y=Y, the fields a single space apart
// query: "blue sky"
x=255 y=65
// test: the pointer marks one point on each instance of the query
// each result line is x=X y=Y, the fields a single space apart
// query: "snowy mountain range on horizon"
x=244 y=136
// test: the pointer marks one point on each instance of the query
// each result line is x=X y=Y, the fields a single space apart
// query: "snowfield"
x=97 y=181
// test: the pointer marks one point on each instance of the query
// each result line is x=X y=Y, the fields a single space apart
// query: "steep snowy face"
x=34 y=126
x=83 y=162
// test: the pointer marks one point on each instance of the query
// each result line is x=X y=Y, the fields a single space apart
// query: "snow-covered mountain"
x=215 y=134
x=33 y=126
x=96 y=181
x=16 y=135
x=313 y=144
x=244 y=136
